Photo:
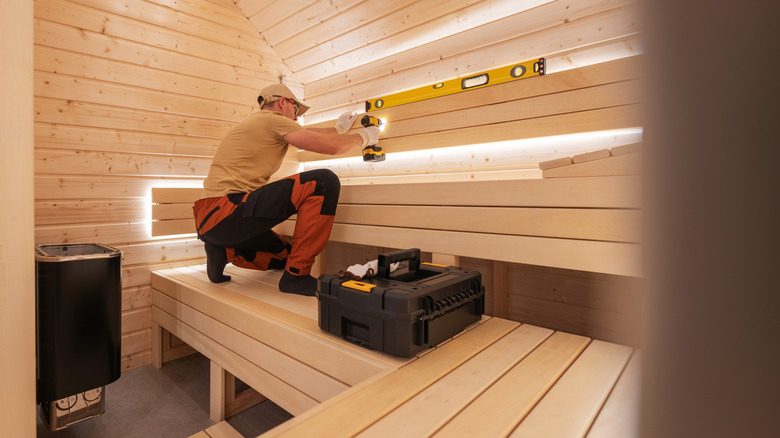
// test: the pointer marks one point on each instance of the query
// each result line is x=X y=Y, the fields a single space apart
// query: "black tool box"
x=416 y=307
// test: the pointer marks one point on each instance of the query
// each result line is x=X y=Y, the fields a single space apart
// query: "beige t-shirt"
x=249 y=154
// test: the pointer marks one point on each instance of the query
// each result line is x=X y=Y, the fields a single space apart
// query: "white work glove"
x=361 y=271
x=345 y=122
x=370 y=136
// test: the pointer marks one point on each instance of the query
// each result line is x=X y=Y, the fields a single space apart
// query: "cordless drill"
x=372 y=152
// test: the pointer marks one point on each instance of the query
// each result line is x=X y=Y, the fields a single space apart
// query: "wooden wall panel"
x=130 y=96
x=595 y=98
x=56 y=136
x=351 y=51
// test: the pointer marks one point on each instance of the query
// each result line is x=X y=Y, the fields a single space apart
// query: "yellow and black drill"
x=372 y=152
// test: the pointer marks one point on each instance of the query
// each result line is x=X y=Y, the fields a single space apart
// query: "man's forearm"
x=326 y=131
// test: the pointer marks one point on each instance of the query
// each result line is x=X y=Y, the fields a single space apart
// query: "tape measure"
x=491 y=77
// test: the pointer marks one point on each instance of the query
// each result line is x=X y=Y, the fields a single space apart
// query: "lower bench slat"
x=361 y=409
x=492 y=380
x=573 y=403
x=220 y=430
x=284 y=395
x=430 y=409
x=619 y=416
x=292 y=334
x=308 y=380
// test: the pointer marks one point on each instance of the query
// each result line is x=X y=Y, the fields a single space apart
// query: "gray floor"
x=172 y=402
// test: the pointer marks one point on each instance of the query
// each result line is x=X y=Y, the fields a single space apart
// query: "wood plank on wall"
x=105 y=17
x=58 y=136
x=279 y=21
x=51 y=187
x=74 y=212
x=127 y=99
x=59 y=86
x=161 y=252
x=385 y=76
x=223 y=13
x=620 y=117
x=110 y=234
x=104 y=116
x=620 y=70
x=355 y=43
x=56 y=61
x=95 y=44
x=600 y=96
x=75 y=162
x=598 y=107
x=346 y=32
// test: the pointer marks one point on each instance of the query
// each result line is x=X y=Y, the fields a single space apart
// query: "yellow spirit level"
x=452 y=86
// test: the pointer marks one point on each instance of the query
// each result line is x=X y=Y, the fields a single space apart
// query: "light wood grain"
x=521 y=387
x=620 y=415
x=499 y=48
x=625 y=164
x=17 y=270
x=174 y=195
x=287 y=397
x=299 y=337
x=223 y=430
x=358 y=411
x=603 y=119
x=306 y=379
x=579 y=394
x=217 y=394
x=618 y=192
x=430 y=409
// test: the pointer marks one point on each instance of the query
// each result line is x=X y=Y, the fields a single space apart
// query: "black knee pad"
x=328 y=186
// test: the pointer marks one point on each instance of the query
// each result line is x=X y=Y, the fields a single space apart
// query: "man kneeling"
x=239 y=207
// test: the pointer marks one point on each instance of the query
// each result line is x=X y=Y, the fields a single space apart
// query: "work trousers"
x=241 y=222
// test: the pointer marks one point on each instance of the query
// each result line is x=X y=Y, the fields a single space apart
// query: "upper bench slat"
x=595 y=192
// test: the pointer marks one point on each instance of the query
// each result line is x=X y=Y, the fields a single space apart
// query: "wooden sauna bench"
x=586 y=220
x=557 y=384
x=499 y=378
x=495 y=377
x=268 y=339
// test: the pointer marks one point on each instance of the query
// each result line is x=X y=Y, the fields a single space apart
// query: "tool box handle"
x=385 y=260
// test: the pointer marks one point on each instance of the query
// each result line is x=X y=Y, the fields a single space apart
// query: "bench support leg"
x=445 y=259
x=217 y=396
x=500 y=286
x=157 y=335
x=224 y=402
x=236 y=402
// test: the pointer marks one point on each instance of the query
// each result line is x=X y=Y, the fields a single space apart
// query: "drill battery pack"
x=416 y=307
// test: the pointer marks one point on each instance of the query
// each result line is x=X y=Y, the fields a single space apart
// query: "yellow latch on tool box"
x=358 y=285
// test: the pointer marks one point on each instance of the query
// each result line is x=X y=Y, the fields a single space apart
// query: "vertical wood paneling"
x=131 y=95
x=17 y=260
